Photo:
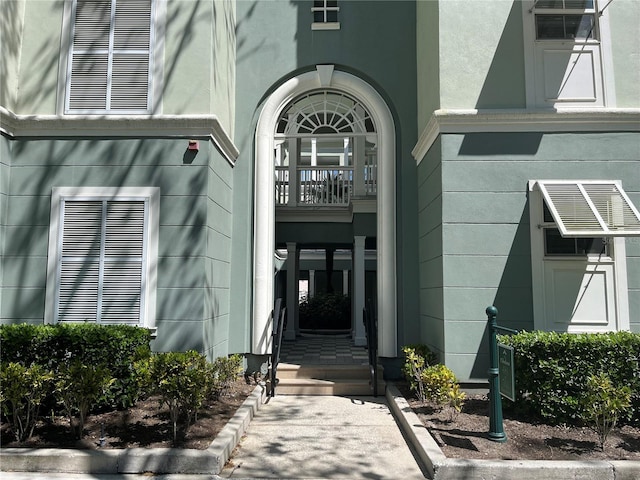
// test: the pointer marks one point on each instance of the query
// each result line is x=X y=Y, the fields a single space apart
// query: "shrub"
x=78 y=387
x=603 y=404
x=436 y=383
x=224 y=371
x=552 y=371
x=181 y=379
x=54 y=345
x=22 y=390
x=326 y=311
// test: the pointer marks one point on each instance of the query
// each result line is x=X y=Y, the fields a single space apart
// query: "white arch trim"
x=264 y=203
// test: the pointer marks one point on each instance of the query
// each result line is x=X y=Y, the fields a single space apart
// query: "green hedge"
x=552 y=370
x=116 y=346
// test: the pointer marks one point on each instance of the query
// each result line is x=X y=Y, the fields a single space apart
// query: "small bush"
x=604 y=404
x=22 y=390
x=224 y=371
x=77 y=388
x=436 y=383
x=181 y=379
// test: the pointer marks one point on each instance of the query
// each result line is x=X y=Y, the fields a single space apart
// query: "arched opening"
x=311 y=132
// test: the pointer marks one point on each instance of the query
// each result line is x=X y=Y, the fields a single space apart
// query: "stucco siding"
x=194 y=240
x=625 y=26
x=485 y=216
x=484 y=69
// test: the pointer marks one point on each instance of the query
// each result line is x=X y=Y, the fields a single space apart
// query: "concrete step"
x=326 y=380
x=288 y=370
x=311 y=386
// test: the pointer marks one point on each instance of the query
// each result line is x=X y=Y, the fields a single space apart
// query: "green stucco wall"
x=275 y=42
x=199 y=69
x=11 y=26
x=198 y=73
x=428 y=61
x=483 y=67
x=482 y=242
x=194 y=233
x=625 y=28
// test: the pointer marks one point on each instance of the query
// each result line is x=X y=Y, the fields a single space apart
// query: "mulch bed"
x=465 y=435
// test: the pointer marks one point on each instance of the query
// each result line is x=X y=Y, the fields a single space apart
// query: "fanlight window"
x=325 y=151
x=325 y=112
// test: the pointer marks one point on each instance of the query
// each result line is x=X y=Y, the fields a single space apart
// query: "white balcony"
x=330 y=186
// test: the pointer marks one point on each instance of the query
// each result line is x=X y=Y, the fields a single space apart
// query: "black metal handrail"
x=371 y=332
x=279 y=316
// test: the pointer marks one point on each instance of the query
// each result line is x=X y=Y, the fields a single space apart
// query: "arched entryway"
x=324 y=79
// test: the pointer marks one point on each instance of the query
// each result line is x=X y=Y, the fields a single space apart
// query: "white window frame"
x=603 y=81
x=616 y=256
x=326 y=24
x=155 y=72
x=150 y=195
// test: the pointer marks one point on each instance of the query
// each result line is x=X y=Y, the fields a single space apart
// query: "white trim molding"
x=264 y=202
x=126 y=126
x=507 y=121
x=151 y=195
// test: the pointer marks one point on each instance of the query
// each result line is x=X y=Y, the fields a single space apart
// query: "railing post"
x=496 y=430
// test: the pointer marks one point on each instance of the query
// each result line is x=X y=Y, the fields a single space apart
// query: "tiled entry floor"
x=323 y=350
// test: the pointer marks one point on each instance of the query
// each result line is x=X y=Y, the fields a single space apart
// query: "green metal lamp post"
x=496 y=430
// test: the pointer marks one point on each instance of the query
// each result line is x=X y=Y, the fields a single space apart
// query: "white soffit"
x=590 y=208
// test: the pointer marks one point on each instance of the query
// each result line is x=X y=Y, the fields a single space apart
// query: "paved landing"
x=323 y=350
x=323 y=437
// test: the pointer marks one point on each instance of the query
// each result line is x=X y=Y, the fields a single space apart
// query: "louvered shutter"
x=80 y=262
x=102 y=261
x=123 y=262
x=110 y=57
x=590 y=208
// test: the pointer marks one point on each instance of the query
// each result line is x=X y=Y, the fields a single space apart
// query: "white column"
x=358 y=166
x=359 y=336
x=293 y=275
x=293 y=171
x=312 y=283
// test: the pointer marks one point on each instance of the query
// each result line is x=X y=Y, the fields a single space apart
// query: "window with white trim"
x=110 y=58
x=565 y=19
x=578 y=254
x=325 y=15
x=567 y=53
x=102 y=256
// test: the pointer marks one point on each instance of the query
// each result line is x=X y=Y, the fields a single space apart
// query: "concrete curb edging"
x=139 y=460
x=440 y=467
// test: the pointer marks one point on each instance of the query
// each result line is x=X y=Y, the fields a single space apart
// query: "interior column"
x=359 y=334
x=293 y=278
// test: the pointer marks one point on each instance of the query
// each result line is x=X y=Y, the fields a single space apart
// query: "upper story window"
x=565 y=19
x=110 y=57
x=325 y=15
x=568 y=60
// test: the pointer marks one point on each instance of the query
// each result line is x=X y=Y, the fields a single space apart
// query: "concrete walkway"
x=323 y=437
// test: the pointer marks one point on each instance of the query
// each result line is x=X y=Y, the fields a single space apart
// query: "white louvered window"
x=102 y=261
x=110 y=57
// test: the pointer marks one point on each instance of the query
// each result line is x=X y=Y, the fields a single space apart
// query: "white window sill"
x=325 y=26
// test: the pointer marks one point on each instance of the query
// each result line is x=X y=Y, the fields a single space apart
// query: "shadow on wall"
x=513 y=298
x=504 y=86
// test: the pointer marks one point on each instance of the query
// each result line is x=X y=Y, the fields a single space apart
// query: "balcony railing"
x=324 y=186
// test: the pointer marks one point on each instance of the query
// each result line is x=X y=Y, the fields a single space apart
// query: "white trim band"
x=565 y=120
x=164 y=126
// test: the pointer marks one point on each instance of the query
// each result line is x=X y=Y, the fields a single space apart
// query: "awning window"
x=591 y=208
